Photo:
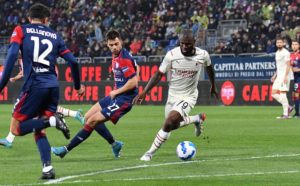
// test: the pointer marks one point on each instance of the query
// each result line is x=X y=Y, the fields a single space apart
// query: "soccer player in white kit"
x=281 y=78
x=185 y=64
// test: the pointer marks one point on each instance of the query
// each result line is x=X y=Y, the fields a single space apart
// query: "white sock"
x=10 y=137
x=160 y=138
x=285 y=104
x=66 y=112
x=277 y=97
x=52 y=121
x=189 y=119
x=47 y=169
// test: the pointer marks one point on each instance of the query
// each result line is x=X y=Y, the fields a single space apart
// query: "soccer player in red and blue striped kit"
x=295 y=64
x=40 y=46
x=119 y=101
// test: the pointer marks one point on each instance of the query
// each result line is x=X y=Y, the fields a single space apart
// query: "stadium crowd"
x=150 y=27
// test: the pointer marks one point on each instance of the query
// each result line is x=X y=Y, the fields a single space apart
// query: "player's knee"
x=170 y=124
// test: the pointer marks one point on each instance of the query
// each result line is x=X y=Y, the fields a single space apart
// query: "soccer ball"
x=186 y=150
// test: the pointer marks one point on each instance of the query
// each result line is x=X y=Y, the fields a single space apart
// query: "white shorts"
x=181 y=106
x=279 y=85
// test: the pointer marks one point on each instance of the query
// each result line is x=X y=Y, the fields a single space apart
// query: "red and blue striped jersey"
x=40 y=47
x=295 y=62
x=124 y=68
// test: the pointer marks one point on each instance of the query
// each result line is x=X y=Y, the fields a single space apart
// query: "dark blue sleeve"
x=9 y=63
x=72 y=62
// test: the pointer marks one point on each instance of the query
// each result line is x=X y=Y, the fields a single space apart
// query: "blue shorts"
x=36 y=102
x=116 y=108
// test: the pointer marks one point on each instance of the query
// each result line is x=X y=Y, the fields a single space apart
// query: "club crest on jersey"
x=117 y=65
x=14 y=34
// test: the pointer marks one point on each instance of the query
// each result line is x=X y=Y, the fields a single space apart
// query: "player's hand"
x=113 y=94
x=272 y=79
x=12 y=80
x=214 y=92
x=139 y=98
x=285 y=80
x=81 y=91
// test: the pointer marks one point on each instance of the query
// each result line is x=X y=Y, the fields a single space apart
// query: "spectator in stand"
x=170 y=31
x=73 y=18
x=135 y=46
x=149 y=44
x=160 y=50
x=221 y=48
x=270 y=47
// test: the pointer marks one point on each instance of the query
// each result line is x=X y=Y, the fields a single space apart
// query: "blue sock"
x=297 y=102
x=82 y=135
x=31 y=125
x=44 y=148
x=105 y=133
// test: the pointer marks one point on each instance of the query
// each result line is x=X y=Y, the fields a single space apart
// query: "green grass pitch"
x=240 y=146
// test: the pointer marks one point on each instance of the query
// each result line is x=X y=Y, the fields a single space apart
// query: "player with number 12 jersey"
x=40 y=46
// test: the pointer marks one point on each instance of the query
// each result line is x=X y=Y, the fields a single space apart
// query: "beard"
x=188 y=52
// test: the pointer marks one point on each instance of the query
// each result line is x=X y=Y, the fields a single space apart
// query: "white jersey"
x=282 y=58
x=185 y=72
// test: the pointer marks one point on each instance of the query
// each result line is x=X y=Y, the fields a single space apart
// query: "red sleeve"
x=127 y=68
x=17 y=35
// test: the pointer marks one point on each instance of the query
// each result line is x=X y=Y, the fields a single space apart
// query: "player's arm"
x=296 y=69
x=129 y=85
x=287 y=70
x=138 y=71
x=10 y=60
x=211 y=75
x=72 y=62
x=154 y=80
x=17 y=77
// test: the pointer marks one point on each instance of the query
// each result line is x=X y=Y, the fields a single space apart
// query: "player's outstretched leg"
x=59 y=151
x=72 y=113
x=4 y=142
x=79 y=116
x=160 y=138
x=61 y=125
x=116 y=148
x=198 y=124
x=197 y=120
x=82 y=135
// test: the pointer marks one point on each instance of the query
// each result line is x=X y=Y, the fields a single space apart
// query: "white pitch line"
x=187 y=176
x=59 y=180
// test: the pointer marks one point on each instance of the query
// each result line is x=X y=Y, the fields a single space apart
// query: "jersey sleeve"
x=207 y=59
x=62 y=48
x=128 y=68
x=166 y=63
x=17 y=35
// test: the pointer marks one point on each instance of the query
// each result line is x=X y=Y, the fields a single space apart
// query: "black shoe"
x=61 y=125
x=48 y=175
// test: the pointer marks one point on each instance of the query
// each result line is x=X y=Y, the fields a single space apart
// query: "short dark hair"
x=296 y=40
x=39 y=11
x=279 y=38
x=112 y=34
x=186 y=33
